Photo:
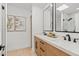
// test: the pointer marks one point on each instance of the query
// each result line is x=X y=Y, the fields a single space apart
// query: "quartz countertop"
x=68 y=47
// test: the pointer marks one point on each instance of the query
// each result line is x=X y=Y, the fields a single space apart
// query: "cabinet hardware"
x=42 y=42
x=42 y=49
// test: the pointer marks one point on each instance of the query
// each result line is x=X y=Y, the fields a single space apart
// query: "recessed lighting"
x=62 y=7
x=77 y=8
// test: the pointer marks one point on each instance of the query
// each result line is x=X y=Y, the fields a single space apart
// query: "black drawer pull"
x=42 y=50
x=42 y=42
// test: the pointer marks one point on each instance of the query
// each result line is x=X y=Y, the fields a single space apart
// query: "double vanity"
x=47 y=46
x=65 y=20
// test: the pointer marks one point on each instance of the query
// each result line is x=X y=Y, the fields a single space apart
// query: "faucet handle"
x=75 y=40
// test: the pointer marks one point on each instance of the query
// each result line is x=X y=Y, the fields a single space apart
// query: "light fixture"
x=62 y=7
x=77 y=8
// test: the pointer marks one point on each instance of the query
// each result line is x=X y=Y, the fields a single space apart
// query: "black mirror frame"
x=52 y=21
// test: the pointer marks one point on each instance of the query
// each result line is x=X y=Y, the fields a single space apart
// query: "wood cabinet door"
x=42 y=48
x=37 y=46
x=53 y=51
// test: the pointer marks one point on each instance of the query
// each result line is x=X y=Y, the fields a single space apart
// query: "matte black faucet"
x=69 y=38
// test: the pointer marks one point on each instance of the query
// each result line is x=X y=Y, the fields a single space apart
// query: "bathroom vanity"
x=46 y=46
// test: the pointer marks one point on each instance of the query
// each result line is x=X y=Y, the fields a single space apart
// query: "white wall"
x=66 y=25
x=4 y=24
x=37 y=22
x=17 y=40
x=47 y=18
x=4 y=27
x=58 y=23
x=0 y=24
x=76 y=16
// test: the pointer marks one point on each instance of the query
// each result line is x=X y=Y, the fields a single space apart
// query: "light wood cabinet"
x=37 y=46
x=42 y=48
x=55 y=51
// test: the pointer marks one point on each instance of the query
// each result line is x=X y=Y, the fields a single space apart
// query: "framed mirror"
x=67 y=17
x=47 y=18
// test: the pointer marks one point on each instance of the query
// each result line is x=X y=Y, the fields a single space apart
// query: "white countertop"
x=64 y=45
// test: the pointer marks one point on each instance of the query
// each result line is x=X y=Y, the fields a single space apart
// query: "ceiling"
x=70 y=10
x=28 y=6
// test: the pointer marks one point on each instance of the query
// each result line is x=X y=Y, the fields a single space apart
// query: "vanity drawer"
x=42 y=48
x=42 y=42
